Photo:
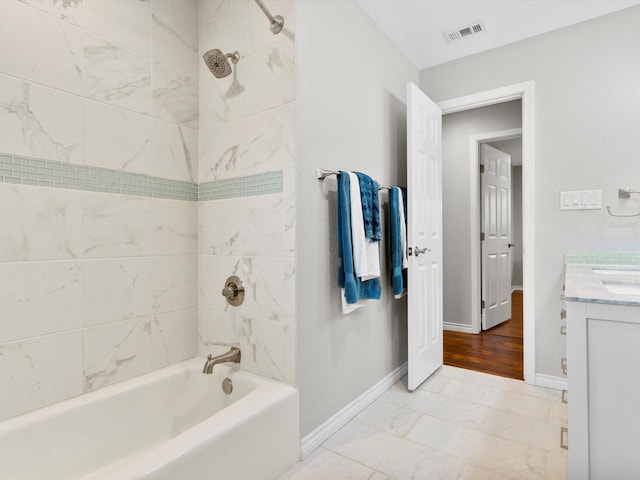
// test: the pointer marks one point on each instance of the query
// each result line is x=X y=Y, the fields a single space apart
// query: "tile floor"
x=459 y=424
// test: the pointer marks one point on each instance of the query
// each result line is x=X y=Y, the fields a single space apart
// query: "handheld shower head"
x=218 y=63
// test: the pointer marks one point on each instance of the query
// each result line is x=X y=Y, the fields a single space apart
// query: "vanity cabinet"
x=603 y=350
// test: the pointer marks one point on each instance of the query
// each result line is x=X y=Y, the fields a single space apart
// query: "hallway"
x=497 y=351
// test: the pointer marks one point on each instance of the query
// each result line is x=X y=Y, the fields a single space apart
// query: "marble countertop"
x=584 y=284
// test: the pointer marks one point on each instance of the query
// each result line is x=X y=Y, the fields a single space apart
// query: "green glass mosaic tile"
x=602 y=258
x=50 y=173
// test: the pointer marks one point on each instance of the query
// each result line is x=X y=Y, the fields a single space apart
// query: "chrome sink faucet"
x=232 y=355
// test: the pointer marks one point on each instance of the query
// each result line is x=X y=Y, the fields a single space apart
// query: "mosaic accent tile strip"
x=261 y=184
x=602 y=258
x=49 y=173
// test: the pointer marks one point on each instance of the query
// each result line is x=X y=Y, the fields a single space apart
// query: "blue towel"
x=395 y=243
x=354 y=289
x=370 y=206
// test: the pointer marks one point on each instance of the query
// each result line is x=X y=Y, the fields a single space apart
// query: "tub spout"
x=232 y=355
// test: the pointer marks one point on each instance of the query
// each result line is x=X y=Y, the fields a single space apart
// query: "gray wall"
x=350 y=96
x=457 y=128
x=586 y=106
x=516 y=225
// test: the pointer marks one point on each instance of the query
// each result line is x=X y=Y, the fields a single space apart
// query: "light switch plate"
x=581 y=200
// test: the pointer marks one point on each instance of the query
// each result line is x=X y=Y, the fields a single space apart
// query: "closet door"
x=424 y=235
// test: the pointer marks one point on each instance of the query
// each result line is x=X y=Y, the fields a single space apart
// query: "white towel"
x=403 y=229
x=366 y=254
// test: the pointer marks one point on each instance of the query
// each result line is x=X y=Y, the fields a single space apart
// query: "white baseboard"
x=550 y=381
x=316 y=438
x=516 y=287
x=458 y=327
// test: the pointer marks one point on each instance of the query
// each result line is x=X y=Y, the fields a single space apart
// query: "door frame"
x=476 y=218
x=525 y=92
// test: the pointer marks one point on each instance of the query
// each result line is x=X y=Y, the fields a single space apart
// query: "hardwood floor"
x=497 y=351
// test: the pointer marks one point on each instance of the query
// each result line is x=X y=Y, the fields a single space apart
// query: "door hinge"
x=481 y=168
x=482 y=304
x=481 y=236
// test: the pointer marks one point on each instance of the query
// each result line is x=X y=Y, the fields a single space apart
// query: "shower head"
x=218 y=63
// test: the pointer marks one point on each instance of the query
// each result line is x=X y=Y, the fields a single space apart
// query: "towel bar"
x=321 y=174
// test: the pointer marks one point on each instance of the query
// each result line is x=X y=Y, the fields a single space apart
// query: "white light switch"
x=581 y=200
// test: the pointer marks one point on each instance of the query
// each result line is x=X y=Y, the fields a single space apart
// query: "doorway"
x=524 y=93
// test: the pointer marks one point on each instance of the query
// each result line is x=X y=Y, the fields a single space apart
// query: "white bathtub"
x=172 y=424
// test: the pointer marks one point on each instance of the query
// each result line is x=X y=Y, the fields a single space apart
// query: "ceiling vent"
x=466 y=31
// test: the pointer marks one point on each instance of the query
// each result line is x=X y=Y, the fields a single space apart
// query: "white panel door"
x=424 y=235
x=496 y=227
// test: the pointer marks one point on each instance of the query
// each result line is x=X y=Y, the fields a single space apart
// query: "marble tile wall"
x=96 y=287
x=247 y=128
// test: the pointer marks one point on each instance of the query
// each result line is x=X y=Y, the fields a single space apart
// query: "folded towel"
x=354 y=288
x=346 y=277
x=370 y=206
x=403 y=227
x=366 y=253
x=395 y=241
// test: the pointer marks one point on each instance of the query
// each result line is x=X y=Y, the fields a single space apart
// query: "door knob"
x=421 y=250
x=511 y=245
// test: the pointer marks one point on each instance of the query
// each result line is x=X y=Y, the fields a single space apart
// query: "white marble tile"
x=116 y=225
x=247 y=146
x=116 y=351
x=174 y=226
x=389 y=418
x=452 y=409
x=174 y=282
x=289 y=180
x=526 y=430
x=264 y=283
x=52 y=56
x=261 y=341
x=216 y=331
x=115 y=74
x=290 y=346
x=290 y=202
x=69 y=10
x=122 y=21
x=116 y=139
x=38 y=298
x=116 y=289
x=47 y=226
x=39 y=371
x=174 y=151
x=174 y=337
x=227 y=227
x=504 y=456
x=324 y=464
x=39 y=122
x=175 y=95
x=175 y=33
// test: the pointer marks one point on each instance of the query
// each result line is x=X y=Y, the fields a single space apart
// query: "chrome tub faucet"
x=232 y=355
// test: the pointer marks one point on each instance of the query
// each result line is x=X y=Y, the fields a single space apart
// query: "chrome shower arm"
x=277 y=22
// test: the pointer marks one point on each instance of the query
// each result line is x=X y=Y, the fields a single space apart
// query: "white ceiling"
x=416 y=27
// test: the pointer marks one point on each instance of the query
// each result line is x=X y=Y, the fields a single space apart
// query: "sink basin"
x=624 y=288
x=613 y=271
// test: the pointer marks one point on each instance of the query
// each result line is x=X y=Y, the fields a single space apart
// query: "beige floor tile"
x=389 y=417
x=323 y=464
x=525 y=430
x=509 y=458
x=437 y=405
